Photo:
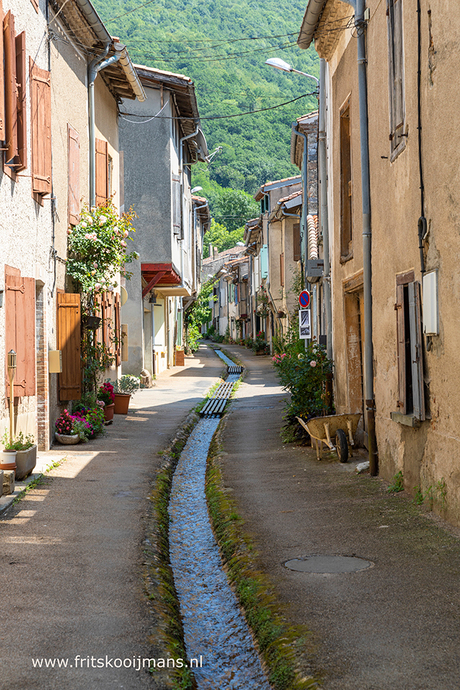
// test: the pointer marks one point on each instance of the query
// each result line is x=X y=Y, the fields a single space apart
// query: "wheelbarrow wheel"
x=342 y=445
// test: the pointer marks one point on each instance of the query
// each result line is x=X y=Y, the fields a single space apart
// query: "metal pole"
x=11 y=374
x=360 y=25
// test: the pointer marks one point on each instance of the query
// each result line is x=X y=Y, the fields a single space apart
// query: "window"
x=102 y=172
x=411 y=398
x=73 y=163
x=396 y=76
x=40 y=103
x=177 y=206
x=282 y=269
x=346 y=224
x=296 y=242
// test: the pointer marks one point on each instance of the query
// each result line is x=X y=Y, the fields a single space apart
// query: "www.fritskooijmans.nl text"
x=136 y=663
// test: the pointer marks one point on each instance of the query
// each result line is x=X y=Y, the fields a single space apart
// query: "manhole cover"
x=328 y=564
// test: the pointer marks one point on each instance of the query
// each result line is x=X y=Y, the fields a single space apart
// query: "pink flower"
x=91 y=236
x=123 y=243
x=313 y=363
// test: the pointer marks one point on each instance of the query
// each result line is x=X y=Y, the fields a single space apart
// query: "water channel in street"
x=214 y=627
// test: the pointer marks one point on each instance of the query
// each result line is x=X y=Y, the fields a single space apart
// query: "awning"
x=161 y=276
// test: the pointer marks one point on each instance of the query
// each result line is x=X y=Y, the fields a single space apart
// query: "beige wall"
x=426 y=455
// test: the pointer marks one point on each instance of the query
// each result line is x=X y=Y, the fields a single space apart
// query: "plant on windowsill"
x=123 y=389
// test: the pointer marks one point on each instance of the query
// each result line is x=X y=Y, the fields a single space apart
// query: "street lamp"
x=196 y=189
x=278 y=63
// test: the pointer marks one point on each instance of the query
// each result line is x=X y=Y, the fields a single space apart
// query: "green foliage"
x=398 y=483
x=98 y=248
x=219 y=237
x=232 y=207
x=304 y=375
x=197 y=315
x=433 y=494
x=213 y=44
x=21 y=442
x=127 y=384
x=260 y=344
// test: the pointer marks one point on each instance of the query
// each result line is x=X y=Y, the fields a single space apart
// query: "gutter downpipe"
x=94 y=67
x=324 y=216
x=360 y=25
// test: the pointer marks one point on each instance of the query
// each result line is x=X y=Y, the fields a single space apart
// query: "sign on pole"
x=304 y=299
x=304 y=324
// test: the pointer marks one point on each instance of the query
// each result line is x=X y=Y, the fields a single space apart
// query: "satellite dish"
x=124 y=295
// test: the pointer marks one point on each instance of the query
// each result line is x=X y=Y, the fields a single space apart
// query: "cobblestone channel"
x=214 y=627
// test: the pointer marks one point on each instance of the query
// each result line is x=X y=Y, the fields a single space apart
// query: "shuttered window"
x=20 y=329
x=177 y=206
x=2 y=84
x=68 y=339
x=109 y=331
x=396 y=74
x=73 y=152
x=102 y=172
x=40 y=108
x=346 y=224
x=411 y=396
x=296 y=242
x=282 y=269
x=11 y=138
x=20 y=44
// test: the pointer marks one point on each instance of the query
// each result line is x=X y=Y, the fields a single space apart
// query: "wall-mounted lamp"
x=11 y=374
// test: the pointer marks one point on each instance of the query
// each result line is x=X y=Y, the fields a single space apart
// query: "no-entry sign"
x=304 y=299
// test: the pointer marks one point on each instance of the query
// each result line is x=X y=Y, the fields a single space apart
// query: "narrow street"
x=72 y=551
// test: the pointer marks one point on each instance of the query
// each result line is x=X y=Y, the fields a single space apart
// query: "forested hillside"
x=222 y=45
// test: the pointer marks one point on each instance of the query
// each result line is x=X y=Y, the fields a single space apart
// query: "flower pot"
x=109 y=411
x=67 y=439
x=8 y=460
x=122 y=403
x=25 y=462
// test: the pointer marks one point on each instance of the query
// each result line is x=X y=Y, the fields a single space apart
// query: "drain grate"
x=328 y=564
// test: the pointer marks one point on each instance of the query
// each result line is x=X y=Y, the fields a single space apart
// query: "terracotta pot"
x=67 y=439
x=108 y=412
x=8 y=460
x=25 y=462
x=122 y=403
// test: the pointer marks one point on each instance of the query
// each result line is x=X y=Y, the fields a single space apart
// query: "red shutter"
x=2 y=84
x=117 y=330
x=68 y=338
x=20 y=329
x=102 y=164
x=10 y=90
x=40 y=102
x=73 y=148
x=20 y=43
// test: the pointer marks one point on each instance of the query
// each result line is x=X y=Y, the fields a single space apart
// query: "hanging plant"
x=98 y=248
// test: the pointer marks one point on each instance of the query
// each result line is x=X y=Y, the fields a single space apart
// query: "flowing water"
x=214 y=627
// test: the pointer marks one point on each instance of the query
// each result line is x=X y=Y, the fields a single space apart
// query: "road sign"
x=304 y=324
x=304 y=299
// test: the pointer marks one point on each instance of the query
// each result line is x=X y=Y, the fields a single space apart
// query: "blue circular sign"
x=304 y=299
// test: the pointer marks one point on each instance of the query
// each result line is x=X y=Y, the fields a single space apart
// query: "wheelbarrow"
x=342 y=427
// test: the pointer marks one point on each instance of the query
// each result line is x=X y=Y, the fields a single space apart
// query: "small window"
x=346 y=219
x=396 y=76
x=296 y=242
x=411 y=397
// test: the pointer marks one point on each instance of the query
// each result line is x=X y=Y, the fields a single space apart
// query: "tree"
x=232 y=208
x=220 y=237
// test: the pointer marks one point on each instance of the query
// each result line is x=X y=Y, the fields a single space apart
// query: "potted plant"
x=260 y=345
x=8 y=455
x=106 y=395
x=65 y=433
x=123 y=389
x=26 y=455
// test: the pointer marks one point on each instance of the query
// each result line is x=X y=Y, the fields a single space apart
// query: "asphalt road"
x=393 y=626
x=71 y=551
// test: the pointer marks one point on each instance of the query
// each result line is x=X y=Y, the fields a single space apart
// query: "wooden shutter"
x=99 y=311
x=296 y=242
x=68 y=338
x=282 y=269
x=401 y=348
x=2 y=83
x=10 y=90
x=40 y=103
x=20 y=43
x=20 y=329
x=415 y=325
x=345 y=183
x=102 y=167
x=73 y=153
x=117 y=330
